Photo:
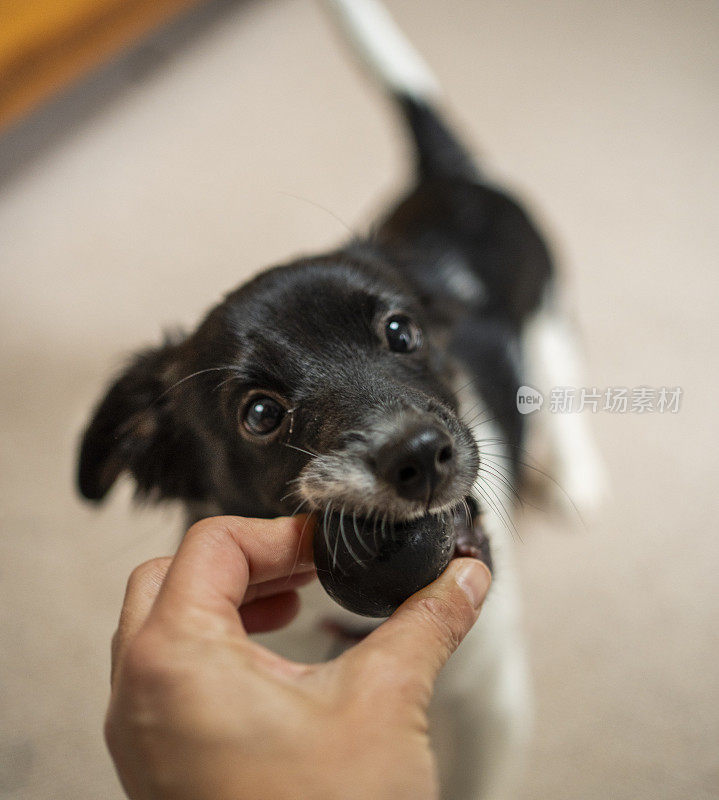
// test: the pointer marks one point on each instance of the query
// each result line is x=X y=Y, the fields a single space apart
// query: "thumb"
x=418 y=639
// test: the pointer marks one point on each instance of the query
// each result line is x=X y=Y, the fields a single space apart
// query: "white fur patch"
x=461 y=281
x=554 y=361
x=383 y=47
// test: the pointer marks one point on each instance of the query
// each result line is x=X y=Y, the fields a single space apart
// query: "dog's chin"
x=370 y=565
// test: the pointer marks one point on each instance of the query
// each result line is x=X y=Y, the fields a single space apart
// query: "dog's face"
x=315 y=385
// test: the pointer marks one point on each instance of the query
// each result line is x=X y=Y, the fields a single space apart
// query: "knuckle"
x=150 y=572
x=214 y=525
x=217 y=529
x=202 y=528
x=143 y=692
x=147 y=661
x=445 y=619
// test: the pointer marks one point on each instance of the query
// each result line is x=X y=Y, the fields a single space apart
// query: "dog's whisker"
x=335 y=564
x=346 y=542
x=461 y=388
x=299 y=548
x=299 y=449
x=477 y=422
x=468 y=511
x=490 y=496
x=297 y=510
x=551 y=479
x=188 y=377
x=521 y=462
x=498 y=491
x=374 y=527
x=491 y=468
x=489 y=472
x=288 y=495
x=491 y=505
x=503 y=512
x=359 y=537
x=227 y=380
x=303 y=199
x=327 y=537
x=465 y=414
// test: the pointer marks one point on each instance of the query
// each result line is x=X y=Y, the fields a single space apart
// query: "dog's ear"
x=136 y=428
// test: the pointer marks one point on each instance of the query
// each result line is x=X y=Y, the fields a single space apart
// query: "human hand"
x=198 y=710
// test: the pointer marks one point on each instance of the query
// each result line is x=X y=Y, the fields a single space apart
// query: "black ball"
x=371 y=569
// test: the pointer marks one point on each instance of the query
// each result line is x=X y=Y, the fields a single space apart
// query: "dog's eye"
x=403 y=336
x=263 y=415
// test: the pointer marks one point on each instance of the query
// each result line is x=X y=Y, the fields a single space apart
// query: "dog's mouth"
x=370 y=565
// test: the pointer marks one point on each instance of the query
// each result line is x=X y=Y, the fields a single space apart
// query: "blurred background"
x=151 y=158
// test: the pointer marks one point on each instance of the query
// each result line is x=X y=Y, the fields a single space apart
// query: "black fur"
x=310 y=334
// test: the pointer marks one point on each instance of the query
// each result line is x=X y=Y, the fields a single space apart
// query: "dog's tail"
x=401 y=70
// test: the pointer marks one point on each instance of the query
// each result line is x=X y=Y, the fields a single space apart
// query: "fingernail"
x=473 y=579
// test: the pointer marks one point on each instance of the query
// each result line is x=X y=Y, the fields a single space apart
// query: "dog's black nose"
x=417 y=463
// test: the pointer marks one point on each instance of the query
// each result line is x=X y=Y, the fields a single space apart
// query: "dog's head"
x=315 y=384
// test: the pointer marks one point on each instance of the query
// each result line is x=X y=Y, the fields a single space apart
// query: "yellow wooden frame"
x=47 y=44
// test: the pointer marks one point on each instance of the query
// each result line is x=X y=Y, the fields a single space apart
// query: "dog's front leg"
x=562 y=437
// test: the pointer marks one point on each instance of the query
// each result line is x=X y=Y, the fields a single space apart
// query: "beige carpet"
x=186 y=181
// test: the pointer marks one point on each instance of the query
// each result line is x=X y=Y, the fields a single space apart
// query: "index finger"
x=219 y=557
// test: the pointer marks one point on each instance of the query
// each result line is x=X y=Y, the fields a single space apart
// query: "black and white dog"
x=380 y=378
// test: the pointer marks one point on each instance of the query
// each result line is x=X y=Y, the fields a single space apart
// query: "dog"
x=380 y=378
